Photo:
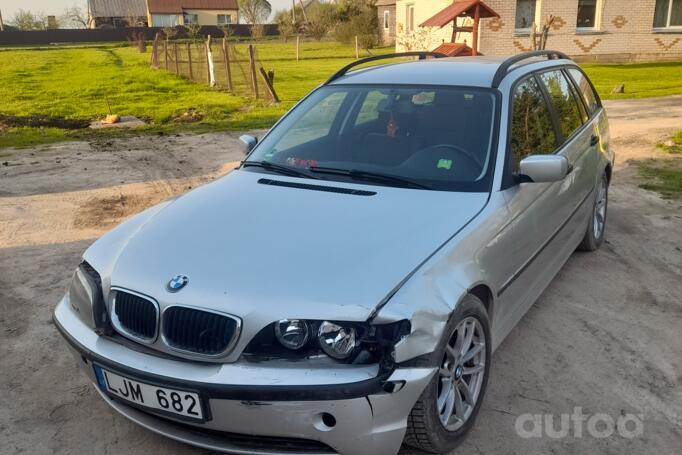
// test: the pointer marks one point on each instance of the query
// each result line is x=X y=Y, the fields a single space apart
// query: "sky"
x=57 y=7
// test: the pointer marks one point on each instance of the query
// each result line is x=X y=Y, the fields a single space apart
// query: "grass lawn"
x=77 y=82
x=641 y=80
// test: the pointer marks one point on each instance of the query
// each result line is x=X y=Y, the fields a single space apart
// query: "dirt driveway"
x=605 y=337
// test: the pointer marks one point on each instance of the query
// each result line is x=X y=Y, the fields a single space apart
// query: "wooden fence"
x=217 y=64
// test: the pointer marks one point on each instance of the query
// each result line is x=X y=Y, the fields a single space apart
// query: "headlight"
x=336 y=341
x=292 y=334
x=85 y=295
x=353 y=342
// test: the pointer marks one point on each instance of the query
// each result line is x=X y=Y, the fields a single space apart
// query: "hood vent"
x=307 y=186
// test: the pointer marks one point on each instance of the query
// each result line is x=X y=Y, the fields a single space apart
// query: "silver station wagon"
x=344 y=289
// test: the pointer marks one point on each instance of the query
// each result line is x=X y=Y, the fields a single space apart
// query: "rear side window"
x=585 y=89
x=565 y=105
x=532 y=131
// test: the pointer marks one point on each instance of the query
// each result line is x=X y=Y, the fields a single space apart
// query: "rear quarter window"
x=586 y=91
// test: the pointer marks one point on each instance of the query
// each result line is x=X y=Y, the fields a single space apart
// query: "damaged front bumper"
x=260 y=409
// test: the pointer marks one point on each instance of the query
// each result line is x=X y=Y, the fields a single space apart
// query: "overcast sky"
x=56 y=7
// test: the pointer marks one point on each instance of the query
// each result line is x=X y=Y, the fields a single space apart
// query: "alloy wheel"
x=461 y=374
x=600 y=211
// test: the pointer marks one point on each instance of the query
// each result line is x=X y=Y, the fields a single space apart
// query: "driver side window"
x=532 y=131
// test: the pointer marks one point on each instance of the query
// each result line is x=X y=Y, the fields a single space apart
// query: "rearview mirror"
x=544 y=168
x=248 y=143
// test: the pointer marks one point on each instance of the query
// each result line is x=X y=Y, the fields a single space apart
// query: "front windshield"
x=439 y=136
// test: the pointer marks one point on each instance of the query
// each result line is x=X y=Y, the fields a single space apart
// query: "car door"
x=545 y=119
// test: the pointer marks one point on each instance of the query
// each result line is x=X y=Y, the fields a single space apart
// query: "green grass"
x=641 y=80
x=662 y=176
x=76 y=82
x=672 y=146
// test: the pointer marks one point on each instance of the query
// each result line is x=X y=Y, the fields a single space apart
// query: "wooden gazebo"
x=475 y=9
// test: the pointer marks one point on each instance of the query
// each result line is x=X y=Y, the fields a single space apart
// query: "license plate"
x=179 y=402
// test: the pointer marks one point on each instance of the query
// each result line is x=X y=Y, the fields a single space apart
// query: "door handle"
x=594 y=140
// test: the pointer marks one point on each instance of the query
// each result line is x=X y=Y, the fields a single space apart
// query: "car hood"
x=265 y=252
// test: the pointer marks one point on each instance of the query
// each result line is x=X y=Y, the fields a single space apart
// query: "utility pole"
x=2 y=25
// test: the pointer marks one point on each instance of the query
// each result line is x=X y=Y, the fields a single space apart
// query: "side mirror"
x=544 y=168
x=248 y=142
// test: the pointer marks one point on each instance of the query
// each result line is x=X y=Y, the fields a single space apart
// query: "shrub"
x=285 y=24
x=321 y=19
x=357 y=18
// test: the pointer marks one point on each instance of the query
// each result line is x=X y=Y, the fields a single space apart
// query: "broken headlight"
x=336 y=340
x=350 y=342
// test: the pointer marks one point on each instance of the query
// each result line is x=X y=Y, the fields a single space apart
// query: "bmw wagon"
x=343 y=290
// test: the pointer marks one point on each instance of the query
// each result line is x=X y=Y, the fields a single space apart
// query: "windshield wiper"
x=357 y=174
x=280 y=169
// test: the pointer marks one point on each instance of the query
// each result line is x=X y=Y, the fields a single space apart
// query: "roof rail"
x=503 y=70
x=421 y=54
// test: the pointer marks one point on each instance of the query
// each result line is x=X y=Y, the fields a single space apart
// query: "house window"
x=165 y=20
x=587 y=14
x=387 y=19
x=525 y=13
x=191 y=19
x=224 y=19
x=668 y=13
x=409 y=20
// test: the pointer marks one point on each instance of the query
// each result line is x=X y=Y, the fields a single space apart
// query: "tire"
x=594 y=236
x=425 y=427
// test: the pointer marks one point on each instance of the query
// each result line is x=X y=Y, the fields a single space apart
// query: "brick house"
x=387 y=20
x=599 y=30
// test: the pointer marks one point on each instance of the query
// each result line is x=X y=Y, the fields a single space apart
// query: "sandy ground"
x=604 y=337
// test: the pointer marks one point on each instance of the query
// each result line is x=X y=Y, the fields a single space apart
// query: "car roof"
x=457 y=71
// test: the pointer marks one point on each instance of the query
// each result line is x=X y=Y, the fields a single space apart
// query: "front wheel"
x=594 y=236
x=448 y=406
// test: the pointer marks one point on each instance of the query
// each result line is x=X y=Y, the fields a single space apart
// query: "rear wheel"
x=448 y=406
x=594 y=236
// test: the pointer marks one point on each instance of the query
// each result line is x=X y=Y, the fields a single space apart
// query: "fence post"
x=189 y=59
x=298 y=43
x=165 y=53
x=210 y=70
x=252 y=67
x=177 y=63
x=226 y=61
x=357 y=52
x=268 y=85
x=155 y=51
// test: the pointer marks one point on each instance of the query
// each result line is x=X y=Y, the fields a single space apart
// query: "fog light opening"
x=324 y=421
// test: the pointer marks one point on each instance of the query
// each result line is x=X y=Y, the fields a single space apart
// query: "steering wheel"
x=465 y=153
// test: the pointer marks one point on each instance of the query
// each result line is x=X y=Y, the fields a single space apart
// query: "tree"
x=255 y=12
x=74 y=17
x=26 y=20
x=357 y=18
x=286 y=25
x=193 y=32
x=321 y=18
